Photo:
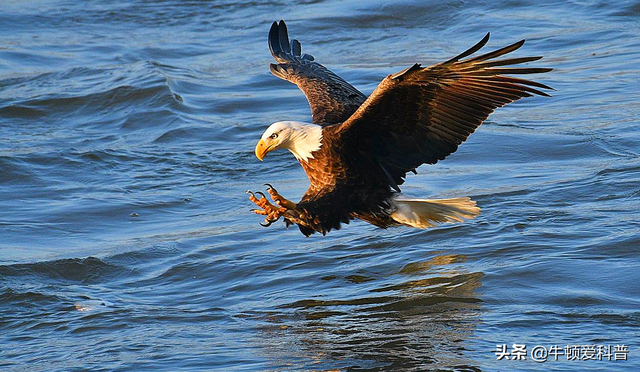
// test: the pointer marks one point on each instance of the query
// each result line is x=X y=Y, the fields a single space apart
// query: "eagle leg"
x=306 y=224
x=281 y=201
x=272 y=212
x=286 y=209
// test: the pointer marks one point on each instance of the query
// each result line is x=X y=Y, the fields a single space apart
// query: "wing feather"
x=331 y=98
x=496 y=53
x=471 y=50
x=421 y=115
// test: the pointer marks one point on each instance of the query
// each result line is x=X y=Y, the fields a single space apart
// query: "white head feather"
x=302 y=139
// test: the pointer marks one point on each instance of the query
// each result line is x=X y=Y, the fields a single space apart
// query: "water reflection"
x=418 y=317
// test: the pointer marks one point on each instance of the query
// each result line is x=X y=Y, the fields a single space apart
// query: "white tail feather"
x=424 y=213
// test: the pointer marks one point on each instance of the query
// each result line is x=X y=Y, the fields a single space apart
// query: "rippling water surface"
x=126 y=144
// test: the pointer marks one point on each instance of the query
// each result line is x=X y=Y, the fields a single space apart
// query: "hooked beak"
x=262 y=149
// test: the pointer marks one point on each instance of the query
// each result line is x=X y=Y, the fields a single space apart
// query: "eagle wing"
x=332 y=99
x=421 y=115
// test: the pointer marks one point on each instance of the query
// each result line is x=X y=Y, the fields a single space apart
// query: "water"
x=126 y=144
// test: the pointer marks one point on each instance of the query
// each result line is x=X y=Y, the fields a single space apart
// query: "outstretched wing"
x=421 y=115
x=332 y=99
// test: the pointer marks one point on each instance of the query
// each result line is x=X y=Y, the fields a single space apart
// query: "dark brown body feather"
x=344 y=185
x=419 y=115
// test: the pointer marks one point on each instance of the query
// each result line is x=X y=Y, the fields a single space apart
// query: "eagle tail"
x=425 y=213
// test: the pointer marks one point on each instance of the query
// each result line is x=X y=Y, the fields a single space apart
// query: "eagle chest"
x=324 y=170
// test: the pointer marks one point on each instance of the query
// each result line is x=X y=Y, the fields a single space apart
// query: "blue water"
x=126 y=144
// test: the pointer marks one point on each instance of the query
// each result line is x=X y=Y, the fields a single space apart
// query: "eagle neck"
x=305 y=139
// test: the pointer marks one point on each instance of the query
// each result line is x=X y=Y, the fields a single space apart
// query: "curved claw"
x=259 y=193
x=269 y=186
x=267 y=224
x=250 y=193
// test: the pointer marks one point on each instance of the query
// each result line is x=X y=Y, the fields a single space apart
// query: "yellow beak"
x=262 y=149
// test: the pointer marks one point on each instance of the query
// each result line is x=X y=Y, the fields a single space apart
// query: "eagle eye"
x=274 y=136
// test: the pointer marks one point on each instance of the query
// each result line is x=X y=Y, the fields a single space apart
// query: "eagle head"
x=302 y=139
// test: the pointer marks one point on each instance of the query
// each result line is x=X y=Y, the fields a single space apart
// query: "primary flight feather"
x=357 y=150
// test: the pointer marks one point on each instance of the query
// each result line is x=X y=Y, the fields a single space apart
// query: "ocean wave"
x=88 y=270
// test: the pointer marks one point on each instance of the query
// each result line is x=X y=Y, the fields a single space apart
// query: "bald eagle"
x=357 y=150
